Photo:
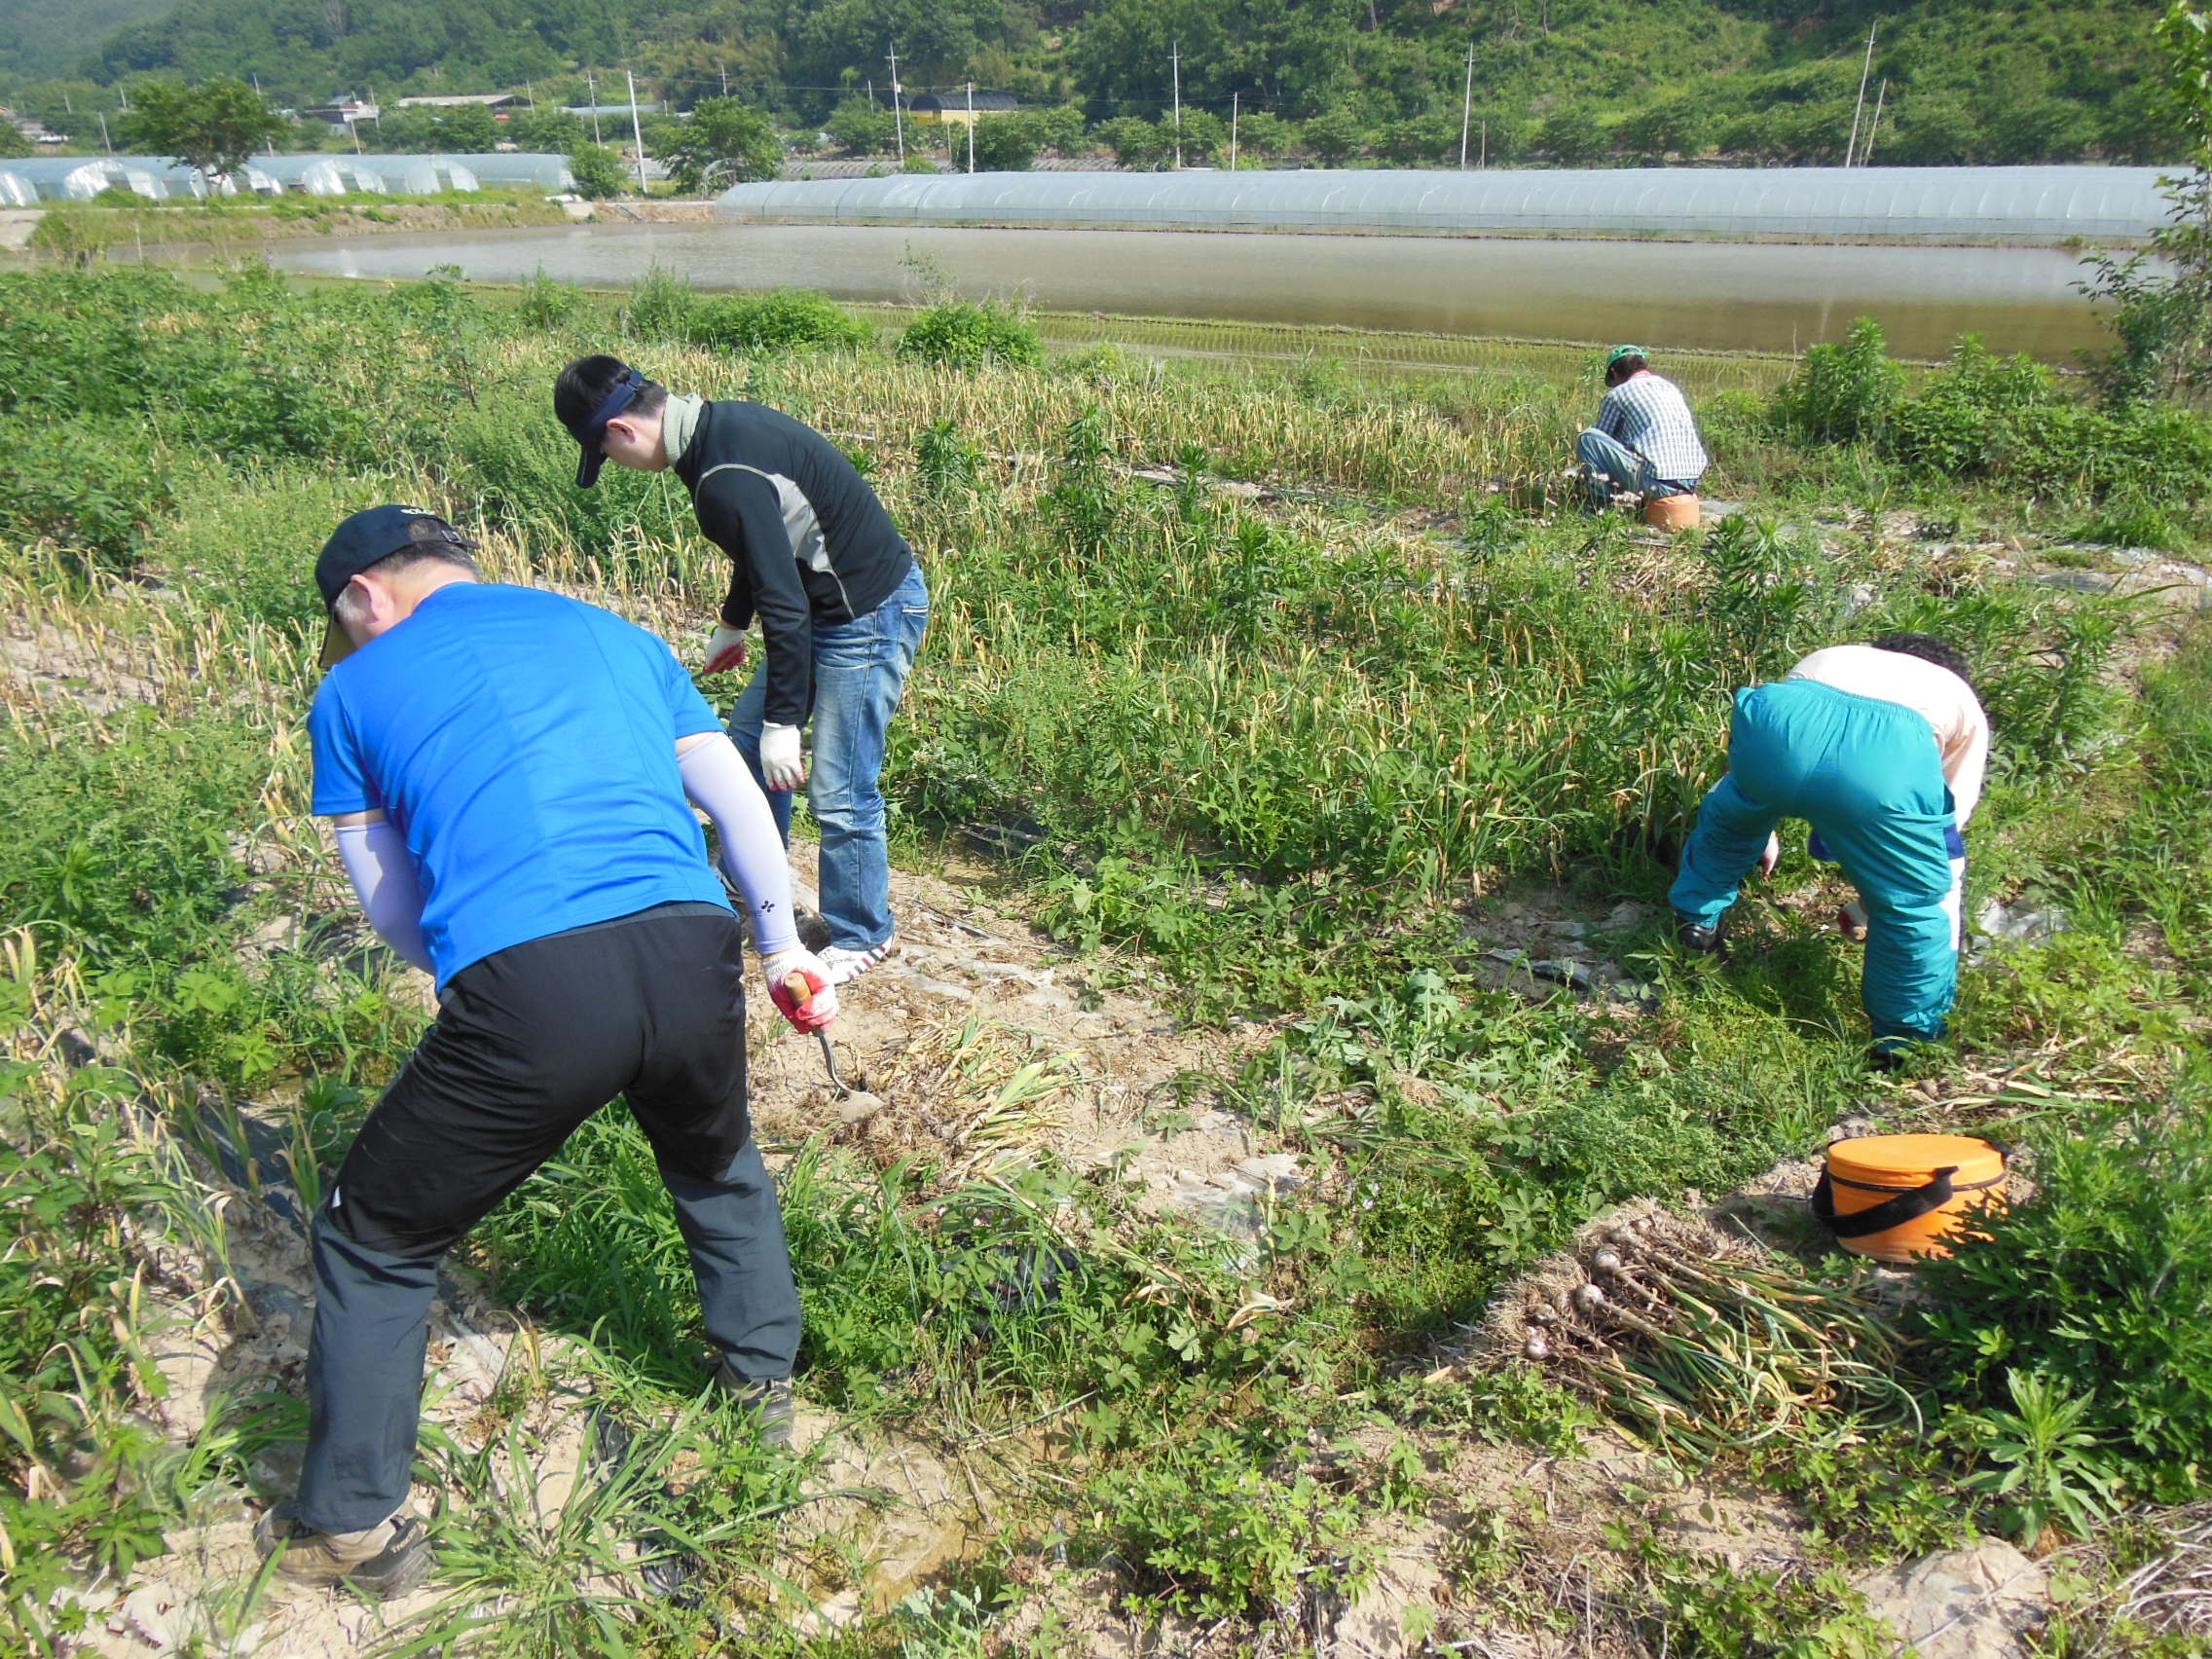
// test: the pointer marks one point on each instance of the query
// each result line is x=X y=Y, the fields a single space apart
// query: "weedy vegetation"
x=1278 y=698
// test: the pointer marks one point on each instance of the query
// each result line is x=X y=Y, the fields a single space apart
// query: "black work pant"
x=528 y=1044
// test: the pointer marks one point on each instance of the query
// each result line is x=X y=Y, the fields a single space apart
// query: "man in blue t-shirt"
x=507 y=773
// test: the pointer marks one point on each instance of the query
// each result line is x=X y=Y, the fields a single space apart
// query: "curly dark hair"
x=1929 y=648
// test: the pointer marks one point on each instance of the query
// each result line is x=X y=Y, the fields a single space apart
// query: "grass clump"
x=664 y=306
x=961 y=335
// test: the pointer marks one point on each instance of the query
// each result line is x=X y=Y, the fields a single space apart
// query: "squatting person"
x=507 y=770
x=1645 y=441
x=840 y=598
x=1882 y=749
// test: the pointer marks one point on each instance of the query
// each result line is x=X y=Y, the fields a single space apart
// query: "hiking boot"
x=386 y=1560
x=1699 y=939
x=767 y=1398
x=844 y=964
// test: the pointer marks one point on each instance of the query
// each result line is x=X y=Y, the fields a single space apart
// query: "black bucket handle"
x=1895 y=1212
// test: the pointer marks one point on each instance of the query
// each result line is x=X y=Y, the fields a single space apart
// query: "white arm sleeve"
x=383 y=876
x=1965 y=759
x=721 y=784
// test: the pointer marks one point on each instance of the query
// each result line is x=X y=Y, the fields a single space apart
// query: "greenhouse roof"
x=516 y=167
x=1935 y=204
x=83 y=177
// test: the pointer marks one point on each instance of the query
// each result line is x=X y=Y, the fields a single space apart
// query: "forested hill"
x=54 y=37
x=1769 y=79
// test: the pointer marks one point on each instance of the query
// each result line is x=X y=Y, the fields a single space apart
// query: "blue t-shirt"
x=525 y=745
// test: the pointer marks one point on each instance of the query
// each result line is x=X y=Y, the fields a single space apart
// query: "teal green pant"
x=1868 y=777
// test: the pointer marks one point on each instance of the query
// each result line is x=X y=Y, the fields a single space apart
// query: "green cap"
x=1619 y=351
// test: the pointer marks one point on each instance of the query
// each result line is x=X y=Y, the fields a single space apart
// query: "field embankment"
x=1285 y=804
x=231 y=226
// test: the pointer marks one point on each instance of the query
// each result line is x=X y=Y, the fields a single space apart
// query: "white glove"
x=799 y=987
x=780 y=760
x=725 y=648
x=1770 y=856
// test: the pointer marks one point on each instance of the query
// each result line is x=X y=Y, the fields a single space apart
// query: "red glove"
x=725 y=650
x=799 y=987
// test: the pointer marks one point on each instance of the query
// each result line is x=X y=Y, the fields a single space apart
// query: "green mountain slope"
x=1557 y=80
x=53 y=37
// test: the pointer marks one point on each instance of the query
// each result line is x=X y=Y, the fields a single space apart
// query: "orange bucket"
x=1671 y=512
x=1897 y=1196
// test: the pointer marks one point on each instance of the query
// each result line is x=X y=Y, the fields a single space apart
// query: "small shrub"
x=949 y=463
x=1225 y=1537
x=91 y=487
x=547 y=302
x=599 y=172
x=662 y=307
x=2094 y=1288
x=965 y=336
x=1841 y=393
x=789 y=319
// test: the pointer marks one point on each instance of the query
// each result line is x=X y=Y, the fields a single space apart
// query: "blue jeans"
x=859 y=672
x=1609 y=464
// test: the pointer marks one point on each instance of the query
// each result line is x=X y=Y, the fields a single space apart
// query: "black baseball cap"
x=587 y=421
x=369 y=536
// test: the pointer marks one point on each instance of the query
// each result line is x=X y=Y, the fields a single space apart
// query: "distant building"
x=34 y=131
x=611 y=112
x=951 y=109
x=342 y=115
x=458 y=100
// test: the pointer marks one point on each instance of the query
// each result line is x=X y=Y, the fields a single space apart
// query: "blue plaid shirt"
x=1648 y=414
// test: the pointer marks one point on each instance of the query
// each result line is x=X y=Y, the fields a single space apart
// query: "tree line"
x=1550 y=81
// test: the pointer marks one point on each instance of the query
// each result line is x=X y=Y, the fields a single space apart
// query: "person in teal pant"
x=1882 y=749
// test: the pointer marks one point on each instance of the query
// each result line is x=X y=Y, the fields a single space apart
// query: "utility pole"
x=591 y=95
x=1468 y=106
x=1861 y=107
x=724 y=68
x=1874 y=126
x=1175 y=64
x=1235 y=98
x=1483 y=162
x=898 y=118
x=971 y=126
x=636 y=132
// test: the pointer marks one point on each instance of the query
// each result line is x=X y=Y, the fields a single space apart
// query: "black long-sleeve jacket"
x=808 y=539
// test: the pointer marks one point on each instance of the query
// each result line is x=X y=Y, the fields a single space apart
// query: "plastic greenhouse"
x=80 y=178
x=359 y=174
x=422 y=175
x=311 y=175
x=1921 y=203
x=182 y=181
x=519 y=168
x=16 y=191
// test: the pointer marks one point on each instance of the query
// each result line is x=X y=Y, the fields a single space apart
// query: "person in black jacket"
x=840 y=598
